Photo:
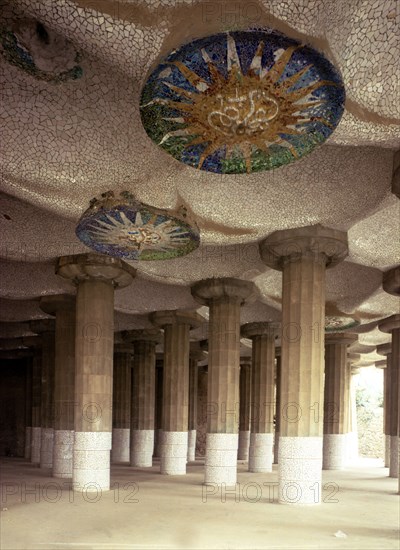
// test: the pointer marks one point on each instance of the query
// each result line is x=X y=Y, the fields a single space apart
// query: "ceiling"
x=63 y=144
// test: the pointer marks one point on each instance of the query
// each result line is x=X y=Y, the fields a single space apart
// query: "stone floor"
x=147 y=510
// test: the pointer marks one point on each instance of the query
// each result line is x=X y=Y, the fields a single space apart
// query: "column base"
x=260 y=455
x=191 y=455
x=300 y=470
x=46 y=448
x=387 y=451
x=62 y=453
x=142 y=446
x=120 y=445
x=335 y=451
x=221 y=459
x=91 y=462
x=36 y=442
x=173 y=453
x=394 y=456
x=28 y=442
x=276 y=447
x=244 y=443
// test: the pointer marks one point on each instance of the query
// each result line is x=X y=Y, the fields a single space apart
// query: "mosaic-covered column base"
x=46 y=448
x=276 y=447
x=394 y=456
x=221 y=459
x=28 y=442
x=387 y=451
x=36 y=442
x=191 y=455
x=91 y=466
x=335 y=452
x=260 y=455
x=174 y=448
x=62 y=454
x=120 y=445
x=142 y=446
x=244 y=443
x=300 y=465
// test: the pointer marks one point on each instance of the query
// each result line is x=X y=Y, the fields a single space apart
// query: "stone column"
x=46 y=328
x=121 y=403
x=158 y=408
x=36 y=436
x=262 y=394
x=336 y=400
x=96 y=277
x=303 y=254
x=174 y=442
x=143 y=395
x=277 y=402
x=244 y=408
x=386 y=410
x=194 y=357
x=352 y=435
x=224 y=297
x=28 y=408
x=63 y=307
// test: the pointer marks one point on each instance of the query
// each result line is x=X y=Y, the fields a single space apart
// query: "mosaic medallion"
x=335 y=323
x=242 y=101
x=39 y=51
x=125 y=228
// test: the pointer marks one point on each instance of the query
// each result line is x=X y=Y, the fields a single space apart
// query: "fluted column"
x=336 y=400
x=96 y=277
x=174 y=445
x=36 y=437
x=143 y=395
x=302 y=254
x=194 y=357
x=28 y=408
x=262 y=394
x=352 y=435
x=386 y=409
x=391 y=444
x=277 y=403
x=224 y=297
x=158 y=408
x=121 y=417
x=244 y=408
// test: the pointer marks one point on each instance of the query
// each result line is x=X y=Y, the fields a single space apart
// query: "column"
x=63 y=307
x=277 y=402
x=96 y=277
x=28 y=408
x=244 y=408
x=36 y=436
x=158 y=408
x=336 y=400
x=121 y=397
x=142 y=413
x=174 y=443
x=302 y=254
x=195 y=356
x=224 y=297
x=386 y=410
x=262 y=394
x=352 y=436
x=46 y=328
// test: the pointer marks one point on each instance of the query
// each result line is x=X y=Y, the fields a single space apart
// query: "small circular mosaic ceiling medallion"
x=242 y=101
x=334 y=323
x=128 y=229
x=39 y=51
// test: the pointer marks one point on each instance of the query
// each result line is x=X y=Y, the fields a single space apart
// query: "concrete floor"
x=147 y=510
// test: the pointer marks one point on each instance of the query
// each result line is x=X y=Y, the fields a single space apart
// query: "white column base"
x=244 y=443
x=62 y=453
x=276 y=447
x=91 y=462
x=120 y=445
x=260 y=455
x=335 y=451
x=394 y=456
x=300 y=470
x=36 y=442
x=28 y=442
x=46 y=448
x=221 y=459
x=173 y=453
x=142 y=446
x=387 y=451
x=191 y=455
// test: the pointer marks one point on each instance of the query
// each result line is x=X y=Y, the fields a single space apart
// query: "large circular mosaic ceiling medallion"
x=125 y=228
x=335 y=323
x=242 y=101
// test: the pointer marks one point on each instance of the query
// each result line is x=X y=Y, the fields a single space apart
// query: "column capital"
x=95 y=267
x=381 y=364
x=39 y=326
x=207 y=290
x=246 y=361
x=384 y=349
x=270 y=329
x=340 y=338
x=124 y=347
x=196 y=352
x=142 y=335
x=53 y=303
x=391 y=281
x=390 y=323
x=354 y=371
x=314 y=241
x=175 y=317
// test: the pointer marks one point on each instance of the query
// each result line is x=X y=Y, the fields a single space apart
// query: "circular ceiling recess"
x=128 y=229
x=242 y=101
x=334 y=323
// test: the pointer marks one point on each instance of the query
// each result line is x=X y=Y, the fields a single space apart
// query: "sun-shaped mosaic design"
x=335 y=323
x=128 y=229
x=242 y=102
